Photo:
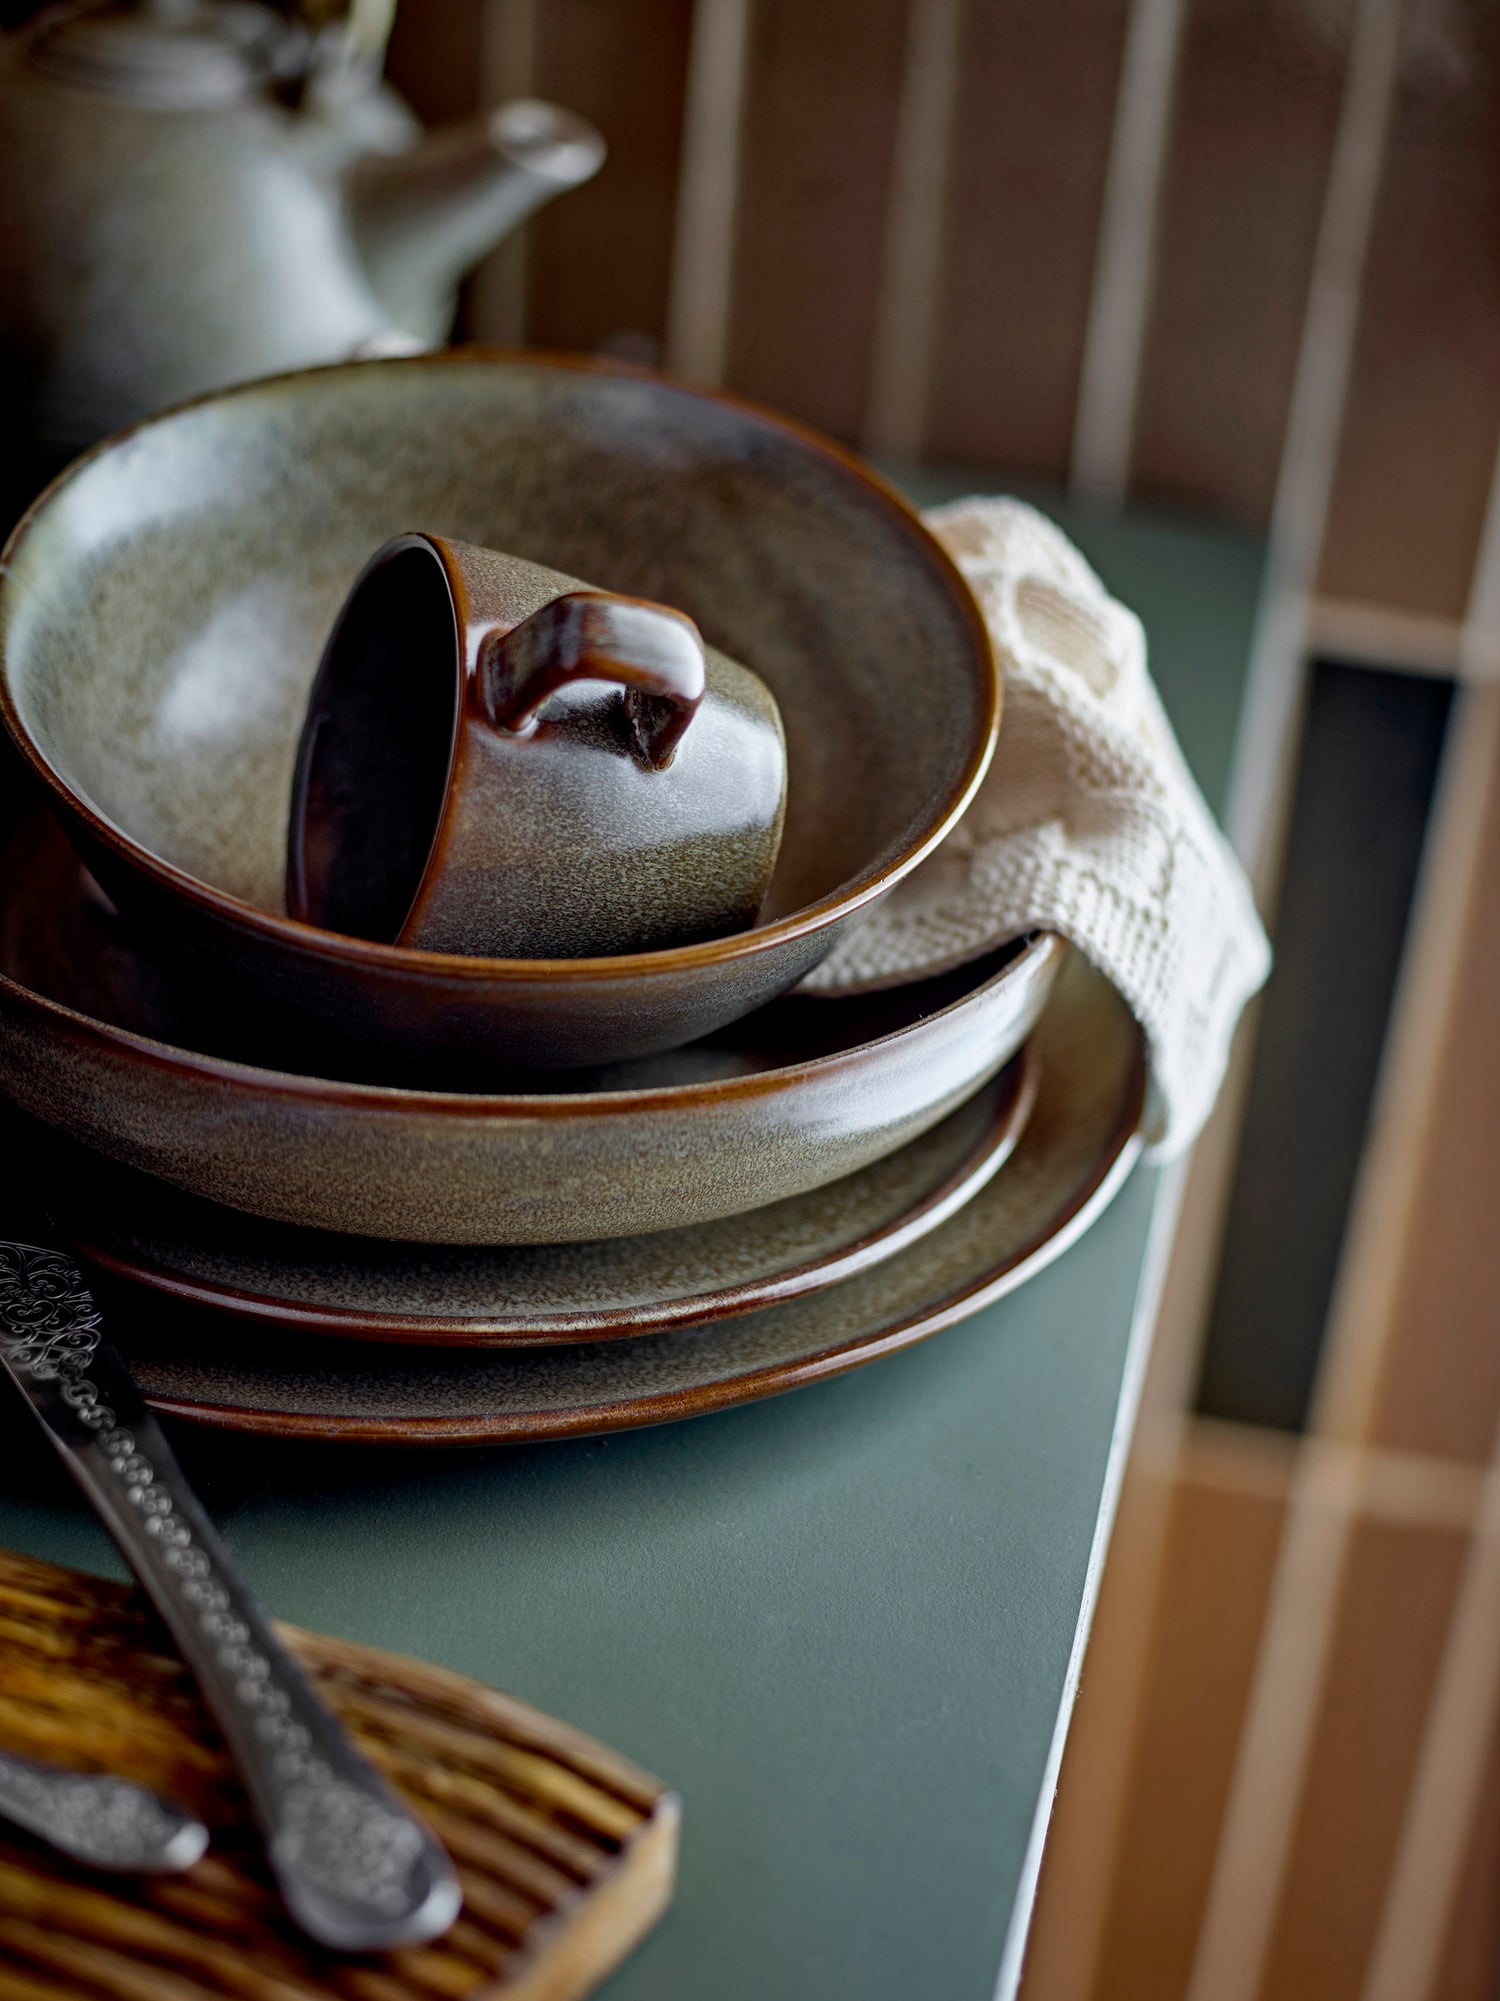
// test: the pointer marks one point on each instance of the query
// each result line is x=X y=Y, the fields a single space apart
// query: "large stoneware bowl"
x=164 y=605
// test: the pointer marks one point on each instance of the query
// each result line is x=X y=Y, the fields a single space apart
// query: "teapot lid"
x=173 y=54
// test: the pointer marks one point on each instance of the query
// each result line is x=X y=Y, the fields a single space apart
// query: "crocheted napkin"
x=1088 y=823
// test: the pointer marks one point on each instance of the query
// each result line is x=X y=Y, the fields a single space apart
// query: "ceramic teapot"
x=202 y=191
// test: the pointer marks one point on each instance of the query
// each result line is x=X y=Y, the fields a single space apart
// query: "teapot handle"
x=655 y=653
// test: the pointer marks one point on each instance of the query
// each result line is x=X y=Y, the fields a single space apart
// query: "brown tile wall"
x=1391 y=1623
x=816 y=149
x=1424 y=401
x=1220 y=1552
x=1258 y=100
x=1470 y=1966
x=1442 y=1389
x=600 y=259
x=1029 y=149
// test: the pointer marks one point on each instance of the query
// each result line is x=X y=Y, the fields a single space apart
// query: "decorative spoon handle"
x=357 y=1869
x=105 y=1822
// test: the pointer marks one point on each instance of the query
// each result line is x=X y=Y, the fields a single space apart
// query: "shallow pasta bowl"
x=164 y=604
x=101 y=1044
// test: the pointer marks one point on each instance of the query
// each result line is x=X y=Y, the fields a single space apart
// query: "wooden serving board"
x=566 y=1852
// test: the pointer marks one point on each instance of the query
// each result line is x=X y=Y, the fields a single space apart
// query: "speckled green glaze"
x=107 y=1048
x=555 y=841
x=164 y=605
x=534 y=1294
x=1073 y=1156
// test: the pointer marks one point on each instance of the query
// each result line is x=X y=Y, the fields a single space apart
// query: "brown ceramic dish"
x=1074 y=1154
x=530 y=1295
x=103 y=1046
x=163 y=606
x=497 y=758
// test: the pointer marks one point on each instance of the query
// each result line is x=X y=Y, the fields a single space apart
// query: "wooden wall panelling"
x=1032 y=121
x=1220 y=1554
x=1257 y=108
x=1392 y=1621
x=1417 y=449
x=599 y=259
x=815 y=165
x=1441 y=1392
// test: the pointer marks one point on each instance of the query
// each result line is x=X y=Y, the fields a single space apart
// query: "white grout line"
x=1258 y=802
x=1266 y=1787
x=1168 y=1199
x=507 y=64
x=1125 y=261
x=1401 y=1489
x=1378 y=635
x=702 y=282
x=906 y=308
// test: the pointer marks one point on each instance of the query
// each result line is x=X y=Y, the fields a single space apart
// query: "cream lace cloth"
x=1088 y=823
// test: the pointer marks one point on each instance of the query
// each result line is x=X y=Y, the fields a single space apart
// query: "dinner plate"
x=1074 y=1154
x=271 y=1275
x=99 y=1042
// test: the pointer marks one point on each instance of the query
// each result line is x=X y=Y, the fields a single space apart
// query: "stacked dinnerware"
x=640 y=1153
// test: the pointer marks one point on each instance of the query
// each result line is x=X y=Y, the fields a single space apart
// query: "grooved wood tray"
x=566 y=1852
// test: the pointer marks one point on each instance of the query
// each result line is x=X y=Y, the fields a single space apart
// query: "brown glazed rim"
x=147 y=1052
x=359 y=952
x=1112 y=1163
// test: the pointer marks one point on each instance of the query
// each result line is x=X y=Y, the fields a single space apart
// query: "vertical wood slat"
x=906 y=301
x=1037 y=86
x=1256 y=113
x=1414 y=469
x=1125 y=262
x=815 y=168
x=700 y=296
x=499 y=290
x=601 y=256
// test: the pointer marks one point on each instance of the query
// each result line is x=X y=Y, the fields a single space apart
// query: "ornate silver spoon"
x=357 y=1869
x=105 y=1822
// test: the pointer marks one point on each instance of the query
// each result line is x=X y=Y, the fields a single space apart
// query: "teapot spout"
x=423 y=217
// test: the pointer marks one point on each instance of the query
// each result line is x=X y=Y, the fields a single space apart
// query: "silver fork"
x=356 y=1868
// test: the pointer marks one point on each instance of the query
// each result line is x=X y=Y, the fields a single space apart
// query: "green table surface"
x=844 y=1624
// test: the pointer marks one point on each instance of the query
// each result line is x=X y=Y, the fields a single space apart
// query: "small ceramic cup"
x=502 y=762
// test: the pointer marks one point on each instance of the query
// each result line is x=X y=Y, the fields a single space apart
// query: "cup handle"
x=655 y=654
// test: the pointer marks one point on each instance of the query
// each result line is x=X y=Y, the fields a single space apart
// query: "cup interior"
x=376 y=750
x=167 y=604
